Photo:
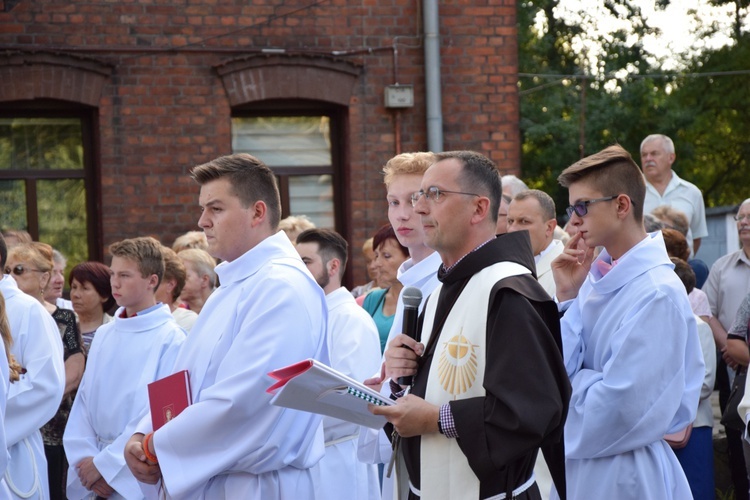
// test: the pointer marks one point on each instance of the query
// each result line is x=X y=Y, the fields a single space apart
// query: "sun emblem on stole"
x=457 y=366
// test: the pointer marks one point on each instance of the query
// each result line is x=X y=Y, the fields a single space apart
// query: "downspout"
x=433 y=98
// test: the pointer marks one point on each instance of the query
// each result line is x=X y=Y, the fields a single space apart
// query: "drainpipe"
x=433 y=98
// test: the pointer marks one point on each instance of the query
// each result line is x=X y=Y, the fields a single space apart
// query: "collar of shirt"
x=449 y=269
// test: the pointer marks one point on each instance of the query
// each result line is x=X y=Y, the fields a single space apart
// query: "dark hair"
x=97 y=274
x=386 y=232
x=331 y=245
x=175 y=270
x=611 y=171
x=685 y=273
x=479 y=174
x=676 y=244
x=250 y=179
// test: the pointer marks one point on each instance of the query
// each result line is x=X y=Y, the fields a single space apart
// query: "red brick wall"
x=164 y=108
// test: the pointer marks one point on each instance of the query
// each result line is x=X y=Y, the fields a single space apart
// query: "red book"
x=168 y=397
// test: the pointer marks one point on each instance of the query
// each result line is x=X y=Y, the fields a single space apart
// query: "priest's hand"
x=143 y=470
x=410 y=416
x=401 y=356
x=569 y=269
x=88 y=474
x=102 y=489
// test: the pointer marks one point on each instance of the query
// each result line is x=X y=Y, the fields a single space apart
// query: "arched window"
x=48 y=174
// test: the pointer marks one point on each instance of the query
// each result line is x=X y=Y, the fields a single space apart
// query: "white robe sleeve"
x=34 y=400
x=619 y=407
x=231 y=423
x=110 y=461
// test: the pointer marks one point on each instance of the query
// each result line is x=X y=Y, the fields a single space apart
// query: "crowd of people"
x=549 y=362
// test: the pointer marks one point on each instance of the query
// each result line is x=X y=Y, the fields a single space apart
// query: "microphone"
x=411 y=297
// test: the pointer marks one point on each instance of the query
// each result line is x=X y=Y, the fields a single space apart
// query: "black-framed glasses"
x=19 y=269
x=434 y=193
x=581 y=208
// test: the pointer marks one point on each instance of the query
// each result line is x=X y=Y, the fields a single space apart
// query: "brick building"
x=105 y=105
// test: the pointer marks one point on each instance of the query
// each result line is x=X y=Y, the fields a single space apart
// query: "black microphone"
x=411 y=297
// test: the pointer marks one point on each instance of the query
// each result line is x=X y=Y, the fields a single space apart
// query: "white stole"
x=457 y=372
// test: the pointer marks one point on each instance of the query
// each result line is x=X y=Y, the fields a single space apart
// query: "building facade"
x=106 y=105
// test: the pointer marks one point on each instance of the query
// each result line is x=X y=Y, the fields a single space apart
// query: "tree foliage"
x=619 y=93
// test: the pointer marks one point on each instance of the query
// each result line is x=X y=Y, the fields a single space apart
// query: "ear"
x=259 y=211
x=551 y=225
x=624 y=206
x=672 y=157
x=205 y=281
x=153 y=281
x=481 y=209
x=44 y=279
x=334 y=266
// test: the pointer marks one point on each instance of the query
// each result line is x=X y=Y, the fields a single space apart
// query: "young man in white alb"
x=138 y=347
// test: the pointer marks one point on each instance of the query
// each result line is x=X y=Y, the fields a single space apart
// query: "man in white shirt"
x=665 y=187
x=354 y=350
x=268 y=313
x=34 y=399
x=534 y=211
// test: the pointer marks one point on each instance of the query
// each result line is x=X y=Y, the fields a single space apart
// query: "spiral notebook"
x=317 y=388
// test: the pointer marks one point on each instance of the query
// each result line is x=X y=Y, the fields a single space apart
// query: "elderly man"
x=665 y=187
x=475 y=417
x=534 y=211
x=727 y=285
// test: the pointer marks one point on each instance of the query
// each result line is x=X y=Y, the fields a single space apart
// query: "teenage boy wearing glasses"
x=33 y=400
x=490 y=386
x=629 y=338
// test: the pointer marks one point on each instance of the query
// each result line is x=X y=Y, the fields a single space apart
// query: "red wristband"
x=150 y=456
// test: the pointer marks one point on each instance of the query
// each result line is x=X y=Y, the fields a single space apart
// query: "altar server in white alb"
x=138 y=347
x=629 y=338
x=354 y=350
x=33 y=400
x=268 y=313
x=9 y=373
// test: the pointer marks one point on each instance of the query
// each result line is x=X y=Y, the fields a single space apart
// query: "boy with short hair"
x=629 y=339
x=138 y=347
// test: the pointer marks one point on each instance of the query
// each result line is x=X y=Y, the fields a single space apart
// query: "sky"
x=676 y=24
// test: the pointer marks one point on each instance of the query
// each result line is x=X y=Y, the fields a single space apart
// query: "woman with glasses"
x=31 y=265
x=381 y=304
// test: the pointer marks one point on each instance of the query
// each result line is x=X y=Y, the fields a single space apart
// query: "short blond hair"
x=37 y=253
x=191 y=239
x=407 y=163
x=145 y=251
x=294 y=225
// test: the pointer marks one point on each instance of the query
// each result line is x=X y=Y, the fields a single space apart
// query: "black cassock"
x=527 y=387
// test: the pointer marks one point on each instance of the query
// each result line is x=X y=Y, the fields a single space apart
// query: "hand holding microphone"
x=411 y=298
